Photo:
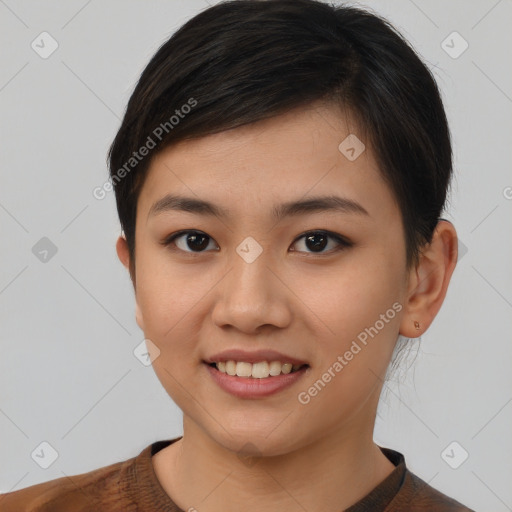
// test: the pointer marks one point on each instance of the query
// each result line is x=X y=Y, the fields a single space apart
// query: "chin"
x=252 y=442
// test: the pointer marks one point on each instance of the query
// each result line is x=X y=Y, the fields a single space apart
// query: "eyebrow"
x=172 y=202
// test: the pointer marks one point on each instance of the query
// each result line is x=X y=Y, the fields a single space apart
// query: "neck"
x=330 y=473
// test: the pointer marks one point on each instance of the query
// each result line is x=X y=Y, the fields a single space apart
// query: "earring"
x=417 y=325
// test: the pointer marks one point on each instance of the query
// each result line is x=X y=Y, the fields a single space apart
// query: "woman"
x=280 y=175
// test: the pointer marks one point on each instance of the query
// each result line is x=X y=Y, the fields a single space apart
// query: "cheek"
x=173 y=304
x=167 y=301
x=166 y=293
x=352 y=297
x=361 y=310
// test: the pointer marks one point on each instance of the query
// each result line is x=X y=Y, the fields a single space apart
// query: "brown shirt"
x=132 y=486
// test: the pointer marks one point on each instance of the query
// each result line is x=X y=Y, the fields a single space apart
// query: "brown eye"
x=189 y=241
x=317 y=241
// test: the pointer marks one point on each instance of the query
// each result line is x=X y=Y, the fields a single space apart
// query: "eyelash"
x=342 y=241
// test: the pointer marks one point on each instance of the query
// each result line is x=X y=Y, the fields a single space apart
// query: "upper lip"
x=255 y=356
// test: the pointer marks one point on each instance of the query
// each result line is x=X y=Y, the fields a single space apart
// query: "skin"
x=319 y=456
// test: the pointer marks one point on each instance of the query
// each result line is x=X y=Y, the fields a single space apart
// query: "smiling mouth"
x=260 y=370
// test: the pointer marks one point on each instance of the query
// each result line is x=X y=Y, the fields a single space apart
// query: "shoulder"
x=416 y=495
x=100 y=489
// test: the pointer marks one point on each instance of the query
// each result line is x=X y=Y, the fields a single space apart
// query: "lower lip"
x=248 y=387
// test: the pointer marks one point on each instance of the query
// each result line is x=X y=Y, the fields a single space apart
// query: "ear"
x=123 y=254
x=429 y=280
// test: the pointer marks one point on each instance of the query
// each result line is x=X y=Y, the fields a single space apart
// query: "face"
x=319 y=284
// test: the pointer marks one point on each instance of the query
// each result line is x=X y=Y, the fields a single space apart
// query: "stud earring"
x=417 y=325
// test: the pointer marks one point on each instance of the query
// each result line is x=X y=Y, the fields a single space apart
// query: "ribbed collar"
x=149 y=496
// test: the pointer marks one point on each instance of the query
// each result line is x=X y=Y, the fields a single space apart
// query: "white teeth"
x=260 y=370
x=230 y=367
x=243 y=369
x=275 y=368
x=286 y=368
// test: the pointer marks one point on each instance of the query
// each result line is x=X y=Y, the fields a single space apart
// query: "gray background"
x=68 y=374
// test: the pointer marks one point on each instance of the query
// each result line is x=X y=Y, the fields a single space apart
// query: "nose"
x=252 y=295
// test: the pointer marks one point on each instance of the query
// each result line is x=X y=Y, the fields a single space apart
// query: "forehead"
x=305 y=152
